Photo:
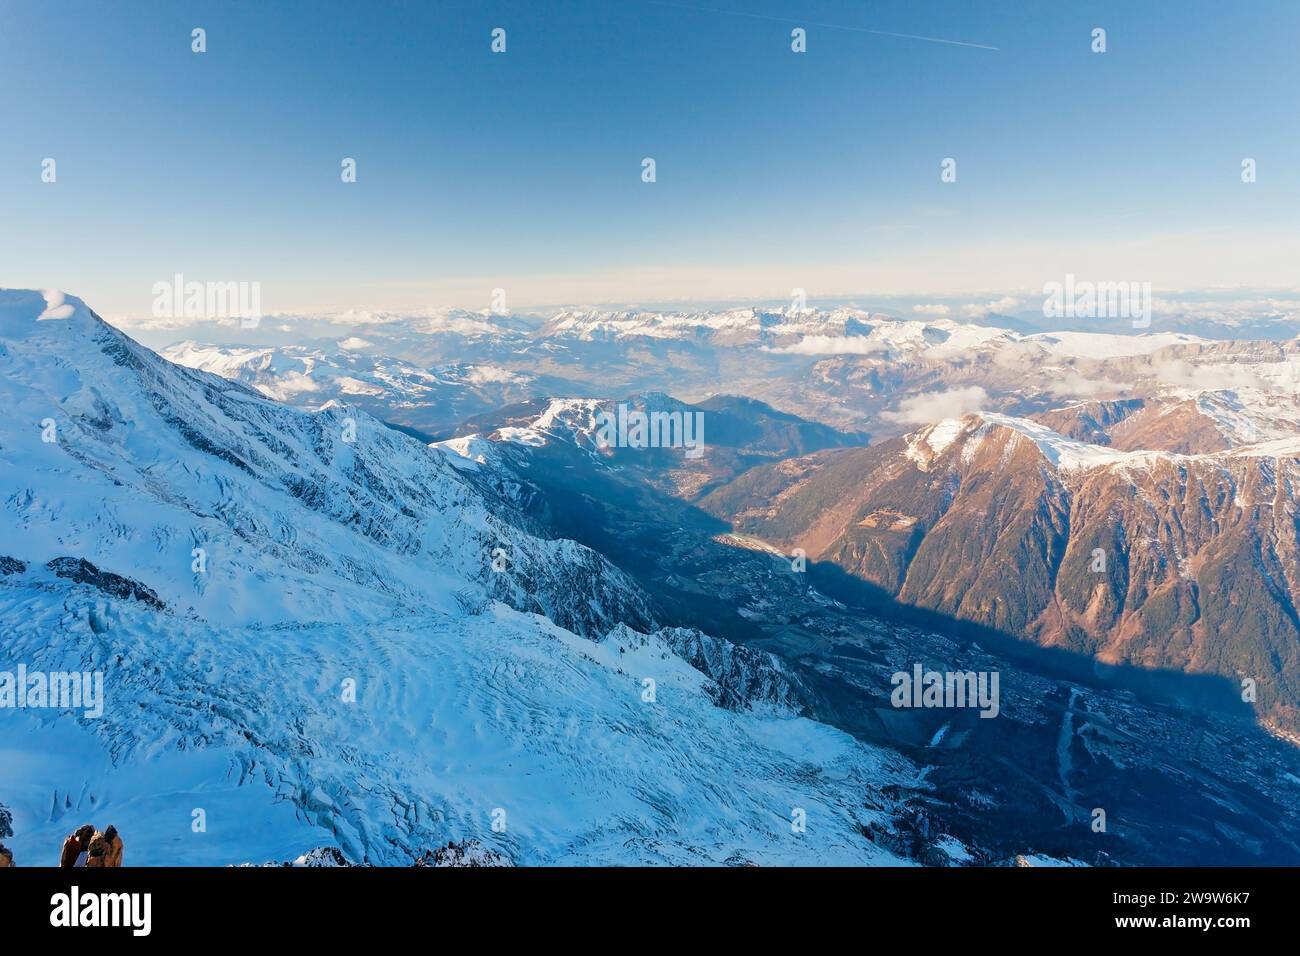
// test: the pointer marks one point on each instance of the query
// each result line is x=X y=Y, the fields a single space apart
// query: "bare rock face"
x=83 y=572
x=1185 y=427
x=467 y=853
x=743 y=678
x=1090 y=422
x=322 y=856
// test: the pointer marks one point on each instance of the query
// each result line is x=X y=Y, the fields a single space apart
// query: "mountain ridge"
x=1153 y=558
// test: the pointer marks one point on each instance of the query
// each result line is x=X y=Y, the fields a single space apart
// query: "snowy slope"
x=456 y=716
x=355 y=370
x=1067 y=454
x=308 y=375
x=517 y=698
x=1102 y=345
x=302 y=517
x=850 y=331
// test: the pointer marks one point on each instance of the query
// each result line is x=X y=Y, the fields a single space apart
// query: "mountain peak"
x=22 y=309
x=966 y=435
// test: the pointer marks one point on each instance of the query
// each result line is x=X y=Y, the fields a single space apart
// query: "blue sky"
x=523 y=170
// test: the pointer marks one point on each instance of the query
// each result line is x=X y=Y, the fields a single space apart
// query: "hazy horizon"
x=522 y=170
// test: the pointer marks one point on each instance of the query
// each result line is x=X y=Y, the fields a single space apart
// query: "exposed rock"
x=744 y=678
x=83 y=572
x=467 y=853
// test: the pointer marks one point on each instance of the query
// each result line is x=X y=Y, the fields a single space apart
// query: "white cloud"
x=1002 y=306
x=1070 y=384
x=937 y=309
x=923 y=409
x=1207 y=377
x=833 y=345
x=1231 y=311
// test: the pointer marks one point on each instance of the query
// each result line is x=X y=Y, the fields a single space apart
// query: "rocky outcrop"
x=83 y=572
x=743 y=678
x=467 y=853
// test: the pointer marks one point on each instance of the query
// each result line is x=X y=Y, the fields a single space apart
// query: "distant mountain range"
x=425 y=400
x=854 y=370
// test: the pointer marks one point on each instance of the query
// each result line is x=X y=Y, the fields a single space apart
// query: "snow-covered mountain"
x=726 y=433
x=893 y=390
x=313 y=630
x=403 y=393
x=848 y=331
x=727 y=327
